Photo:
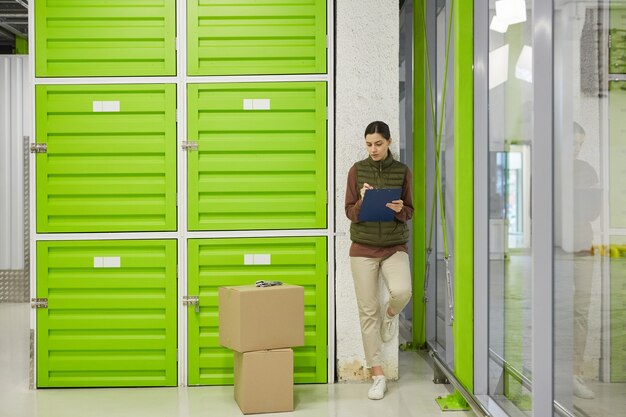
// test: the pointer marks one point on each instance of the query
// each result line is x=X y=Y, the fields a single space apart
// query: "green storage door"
x=617 y=50
x=105 y=38
x=617 y=154
x=218 y=262
x=256 y=37
x=111 y=158
x=261 y=157
x=111 y=315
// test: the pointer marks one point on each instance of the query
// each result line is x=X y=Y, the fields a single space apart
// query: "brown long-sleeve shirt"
x=353 y=207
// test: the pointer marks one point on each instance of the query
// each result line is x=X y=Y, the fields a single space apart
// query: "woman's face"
x=377 y=146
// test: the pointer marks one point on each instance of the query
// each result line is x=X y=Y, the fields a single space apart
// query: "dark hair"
x=578 y=129
x=378 y=127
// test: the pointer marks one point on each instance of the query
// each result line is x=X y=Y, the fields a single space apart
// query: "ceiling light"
x=524 y=65
x=498 y=66
x=511 y=11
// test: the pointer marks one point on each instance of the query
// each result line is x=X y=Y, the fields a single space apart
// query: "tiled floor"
x=413 y=395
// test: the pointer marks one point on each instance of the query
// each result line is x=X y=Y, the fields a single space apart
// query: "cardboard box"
x=261 y=318
x=264 y=381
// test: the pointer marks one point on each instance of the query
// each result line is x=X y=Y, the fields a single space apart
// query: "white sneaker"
x=388 y=327
x=581 y=390
x=378 y=389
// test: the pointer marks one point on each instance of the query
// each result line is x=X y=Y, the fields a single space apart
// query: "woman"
x=379 y=247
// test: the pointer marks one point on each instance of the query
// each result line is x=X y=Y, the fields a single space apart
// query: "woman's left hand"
x=396 y=205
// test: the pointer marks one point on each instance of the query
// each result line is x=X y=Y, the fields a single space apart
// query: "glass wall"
x=510 y=139
x=439 y=141
x=444 y=94
x=590 y=207
x=579 y=330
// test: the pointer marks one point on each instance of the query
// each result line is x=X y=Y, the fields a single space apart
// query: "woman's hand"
x=365 y=187
x=396 y=205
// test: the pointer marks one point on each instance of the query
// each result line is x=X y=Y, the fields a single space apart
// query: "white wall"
x=14 y=125
x=367 y=47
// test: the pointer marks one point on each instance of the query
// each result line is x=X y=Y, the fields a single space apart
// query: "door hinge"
x=326 y=112
x=38 y=303
x=610 y=39
x=38 y=148
x=189 y=145
x=192 y=300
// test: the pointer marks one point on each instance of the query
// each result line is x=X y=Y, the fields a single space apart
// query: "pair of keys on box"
x=263 y=283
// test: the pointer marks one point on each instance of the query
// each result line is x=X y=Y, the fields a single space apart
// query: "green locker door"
x=261 y=157
x=252 y=37
x=617 y=50
x=110 y=163
x=218 y=262
x=617 y=220
x=105 y=38
x=617 y=154
x=111 y=315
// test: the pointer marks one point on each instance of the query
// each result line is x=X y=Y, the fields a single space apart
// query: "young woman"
x=379 y=247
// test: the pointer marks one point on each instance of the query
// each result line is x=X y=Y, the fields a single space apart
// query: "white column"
x=367 y=48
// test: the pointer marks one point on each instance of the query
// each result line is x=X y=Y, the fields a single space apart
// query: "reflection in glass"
x=510 y=127
x=589 y=214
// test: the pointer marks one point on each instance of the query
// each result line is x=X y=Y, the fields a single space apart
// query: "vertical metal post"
x=481 y=197
x=542 y=209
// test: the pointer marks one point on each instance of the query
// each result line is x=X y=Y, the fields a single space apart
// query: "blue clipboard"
x=373 y=208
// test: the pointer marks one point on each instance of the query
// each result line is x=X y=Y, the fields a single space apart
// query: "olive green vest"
x=384 y=174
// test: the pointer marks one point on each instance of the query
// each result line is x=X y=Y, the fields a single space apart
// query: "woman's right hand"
x=365 y=187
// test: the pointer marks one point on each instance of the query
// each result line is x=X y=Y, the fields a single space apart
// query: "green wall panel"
x=111 y=316
x=105 y=38
x=253 y=37
x=463 y=327
x=218 y=262
x=617 y=51
x=261 y=168
x=106 y=171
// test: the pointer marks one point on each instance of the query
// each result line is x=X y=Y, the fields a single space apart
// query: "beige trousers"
x=365 y=273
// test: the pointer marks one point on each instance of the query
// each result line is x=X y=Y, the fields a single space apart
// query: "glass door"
x=509 y=197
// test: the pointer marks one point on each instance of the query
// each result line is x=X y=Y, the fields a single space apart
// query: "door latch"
x=38 y=148
x=193 y=300
x=189 y=145
x=38 y=303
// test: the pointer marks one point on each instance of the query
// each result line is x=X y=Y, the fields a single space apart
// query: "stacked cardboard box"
x=261 y=325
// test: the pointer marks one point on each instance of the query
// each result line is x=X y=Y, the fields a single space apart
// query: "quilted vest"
x=388 y=173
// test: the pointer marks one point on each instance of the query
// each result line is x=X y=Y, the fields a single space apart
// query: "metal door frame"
x=541 y=207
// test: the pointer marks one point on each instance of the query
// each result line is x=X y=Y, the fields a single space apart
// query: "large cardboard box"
x=264 y=381
x=260 y=318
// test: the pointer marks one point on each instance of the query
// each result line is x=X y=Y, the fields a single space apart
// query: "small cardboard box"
x=260 y=318
x=264 y=381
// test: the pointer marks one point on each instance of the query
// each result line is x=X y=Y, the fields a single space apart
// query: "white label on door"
x=111 y=262
x=97 y=106
x=248 y=104
x=248 y=259
x=263 y=259
x=98 y=262
x=111 y=106
x=261 y=104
